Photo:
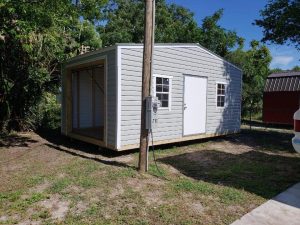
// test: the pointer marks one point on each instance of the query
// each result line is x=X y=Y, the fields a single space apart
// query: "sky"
x=239 y=16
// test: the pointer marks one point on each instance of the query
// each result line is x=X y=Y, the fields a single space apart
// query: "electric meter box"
x=152 y=105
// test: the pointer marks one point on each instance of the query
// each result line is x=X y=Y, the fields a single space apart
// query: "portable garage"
x=200 y=95
x=281 y=97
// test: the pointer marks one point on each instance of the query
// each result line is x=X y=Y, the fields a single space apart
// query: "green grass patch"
x=121 y=173
x=230 y=170
x=158 y=172
x=167 y=214
x=226 y=195
x=193 y=186
x=44 y=214
x=23 y=204
x=35 y=180
x=82 y=167
x=230 y=195
x=59 y=185
x=86 y=182
x=10 y=196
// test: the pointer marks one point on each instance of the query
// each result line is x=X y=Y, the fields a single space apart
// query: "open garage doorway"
x=88 y=101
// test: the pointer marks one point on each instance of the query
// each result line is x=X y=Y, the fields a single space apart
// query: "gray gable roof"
x=285 y=74
x=283 y=81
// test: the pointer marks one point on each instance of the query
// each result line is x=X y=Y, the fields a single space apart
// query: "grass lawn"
x=48 y=179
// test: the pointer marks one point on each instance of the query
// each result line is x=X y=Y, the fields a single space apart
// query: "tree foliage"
x=125 y=23
x=277 y=70
x=36 y=36
x=174 y=24
x=281 y=21
x=255 y=65
x=216 y=38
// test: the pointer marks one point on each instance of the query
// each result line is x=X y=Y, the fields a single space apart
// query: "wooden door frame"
x=69 y=69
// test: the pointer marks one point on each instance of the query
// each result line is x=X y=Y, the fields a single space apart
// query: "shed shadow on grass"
x=15 y=140
x=275 y=141
x=257 y=172
x=90 y=157
x=82 y=149
x=57 y=139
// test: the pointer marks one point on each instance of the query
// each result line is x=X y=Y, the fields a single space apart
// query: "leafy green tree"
x=216 y=38
x=125 y=23
x=277 y=70
x=255 y=65
x=281 y=21
x=35 y=37
x=296 y=68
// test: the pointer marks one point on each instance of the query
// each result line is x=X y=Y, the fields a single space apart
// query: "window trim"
x=225 y=85
x=170 y=89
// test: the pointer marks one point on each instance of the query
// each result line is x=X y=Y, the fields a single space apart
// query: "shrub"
x=46 y=114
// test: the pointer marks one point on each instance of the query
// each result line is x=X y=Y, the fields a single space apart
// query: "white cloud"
x=284 y=57
x=282 y=60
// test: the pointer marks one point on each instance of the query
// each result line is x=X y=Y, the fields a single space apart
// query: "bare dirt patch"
x=29 y=222
x=57 y=207
x=236 y=147
x=153 y=197
x=80 y=207
x=196 y=208
x=40 y=188
x=116 y=191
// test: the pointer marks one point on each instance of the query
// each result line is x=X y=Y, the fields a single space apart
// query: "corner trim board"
x=119 y=94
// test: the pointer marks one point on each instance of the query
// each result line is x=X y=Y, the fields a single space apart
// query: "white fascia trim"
x=85 y=61
x=159 y=46
x=163 y=76
x=118 y=94
x=102 y=50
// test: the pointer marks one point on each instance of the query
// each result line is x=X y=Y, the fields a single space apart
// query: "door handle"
x=184 y=106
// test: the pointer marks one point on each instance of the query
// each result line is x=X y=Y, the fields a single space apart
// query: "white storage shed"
x=200 y=95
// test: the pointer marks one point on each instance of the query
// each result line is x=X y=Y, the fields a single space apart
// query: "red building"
x=281 y=97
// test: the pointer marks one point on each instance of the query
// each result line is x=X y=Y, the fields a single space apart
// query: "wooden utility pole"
x=146 y=80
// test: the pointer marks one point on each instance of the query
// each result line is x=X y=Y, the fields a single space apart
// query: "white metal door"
x=194 y=105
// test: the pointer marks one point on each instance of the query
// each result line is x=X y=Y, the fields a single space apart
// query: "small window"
x=220 y=95
x=162 y=91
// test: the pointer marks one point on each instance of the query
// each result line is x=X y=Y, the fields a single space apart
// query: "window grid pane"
x=220 y=95
x=162 y=90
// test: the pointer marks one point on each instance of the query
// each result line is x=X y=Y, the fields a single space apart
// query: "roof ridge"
x=286 y=71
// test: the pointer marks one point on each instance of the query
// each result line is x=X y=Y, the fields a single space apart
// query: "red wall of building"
x=279 y=107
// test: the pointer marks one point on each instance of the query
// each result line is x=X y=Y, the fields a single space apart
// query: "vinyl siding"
x=176 y=62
